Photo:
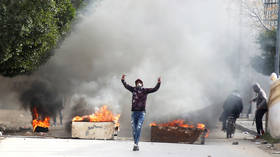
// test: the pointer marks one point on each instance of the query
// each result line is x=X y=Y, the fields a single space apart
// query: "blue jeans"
x=137 y=119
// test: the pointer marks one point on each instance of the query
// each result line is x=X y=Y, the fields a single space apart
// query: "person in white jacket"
x=261 y=102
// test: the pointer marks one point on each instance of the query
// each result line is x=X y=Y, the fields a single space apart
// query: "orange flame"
x=180 y=123
x=101 y=115
x=200 y=126
x=45 y=123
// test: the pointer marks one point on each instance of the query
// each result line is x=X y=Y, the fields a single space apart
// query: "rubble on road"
x=235 y=143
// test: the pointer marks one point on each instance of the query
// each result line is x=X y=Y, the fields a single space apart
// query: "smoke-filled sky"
x=192 y=45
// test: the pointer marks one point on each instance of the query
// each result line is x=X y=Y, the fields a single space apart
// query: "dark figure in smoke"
x=60 y=117
x=60 y=106
x=261 y=102
x=233 y=106
x=139 y=97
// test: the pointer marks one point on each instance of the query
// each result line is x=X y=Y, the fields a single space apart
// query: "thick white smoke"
x=192 y=45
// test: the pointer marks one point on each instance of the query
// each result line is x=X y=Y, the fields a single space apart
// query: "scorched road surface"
x=51 y=147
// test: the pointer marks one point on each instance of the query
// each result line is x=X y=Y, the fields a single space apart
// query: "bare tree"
x=257 y=11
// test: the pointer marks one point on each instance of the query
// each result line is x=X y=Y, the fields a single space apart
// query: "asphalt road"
x=216 y=146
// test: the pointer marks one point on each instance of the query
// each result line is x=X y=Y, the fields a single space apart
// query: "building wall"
x=270 y=12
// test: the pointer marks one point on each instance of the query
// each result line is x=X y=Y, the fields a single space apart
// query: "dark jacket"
x=233 y=105
x=139 y=96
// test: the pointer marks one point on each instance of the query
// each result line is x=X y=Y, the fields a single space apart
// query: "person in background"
x=139 y=97
x=261 y=103
x=59 y=112
x=60 y=117
x=233 y=106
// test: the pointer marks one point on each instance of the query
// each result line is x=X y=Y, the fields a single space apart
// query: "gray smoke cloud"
x=192 y=45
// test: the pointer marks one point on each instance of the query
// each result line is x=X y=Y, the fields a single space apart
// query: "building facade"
x=270 y=12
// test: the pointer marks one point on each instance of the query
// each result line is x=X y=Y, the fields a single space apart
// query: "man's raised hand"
x=123 y=77
x=159 y=80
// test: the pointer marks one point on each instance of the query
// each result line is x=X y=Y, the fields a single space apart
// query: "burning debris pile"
x=43 y=102
x=177 y=131
x=103 y=124
x=40 y=124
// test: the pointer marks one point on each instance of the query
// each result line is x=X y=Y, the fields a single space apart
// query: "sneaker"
x=135 y=148
x=258 y=136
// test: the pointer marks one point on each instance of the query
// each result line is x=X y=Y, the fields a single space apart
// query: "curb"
x=242 y=128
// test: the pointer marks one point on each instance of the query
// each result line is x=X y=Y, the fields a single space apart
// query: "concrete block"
x=93 y=130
